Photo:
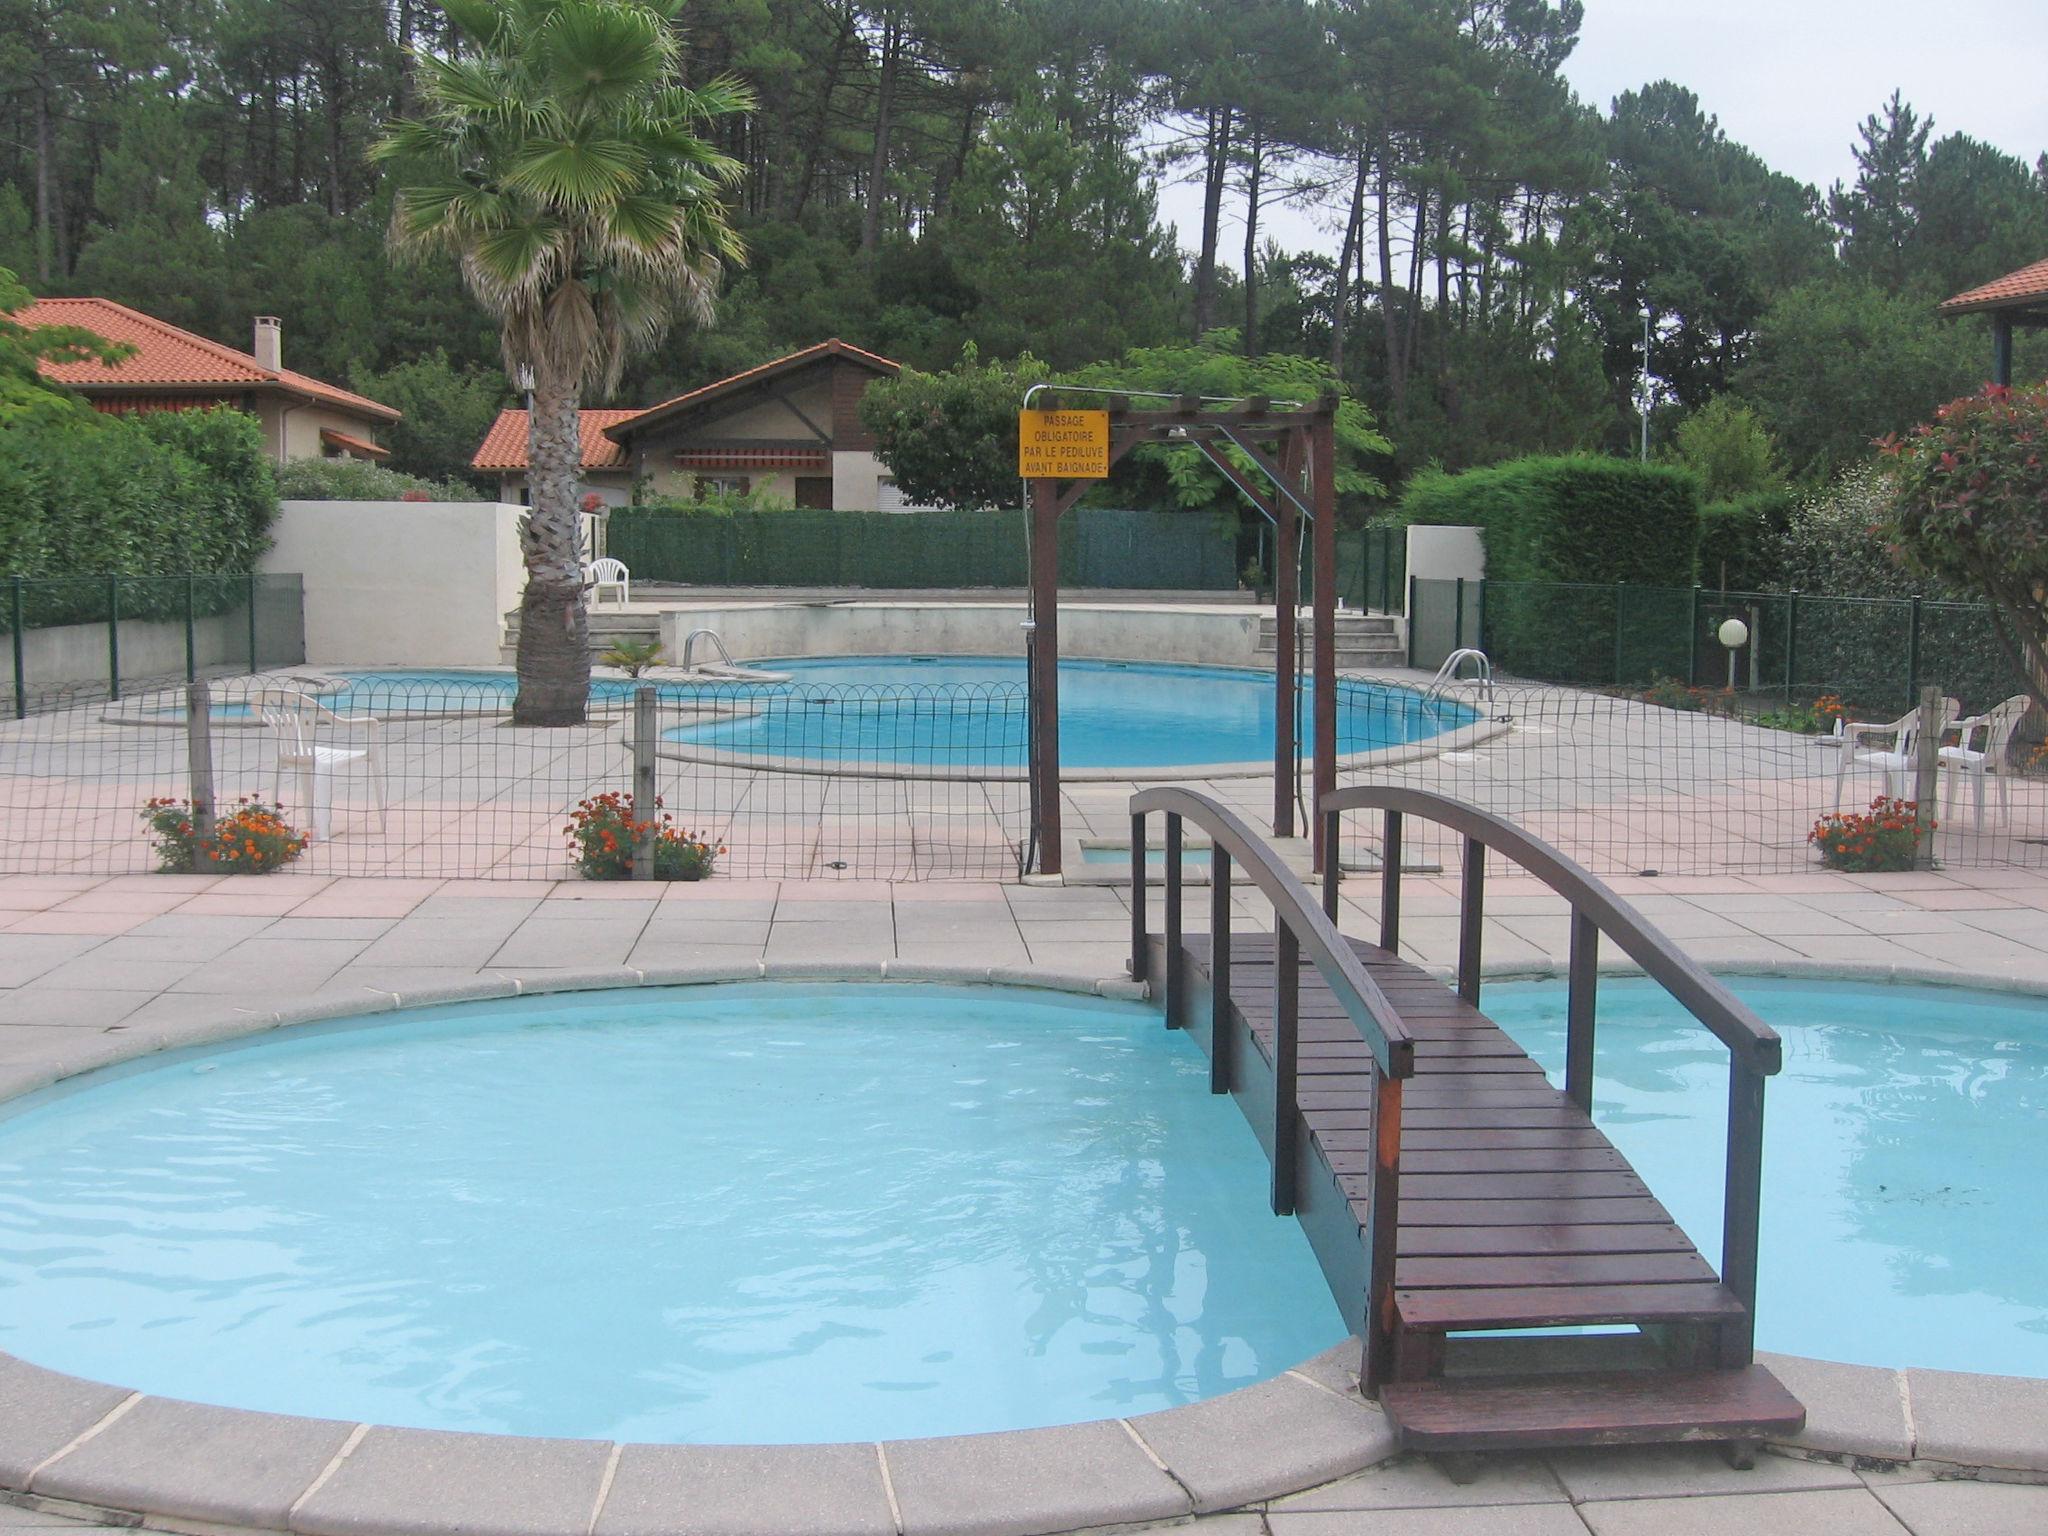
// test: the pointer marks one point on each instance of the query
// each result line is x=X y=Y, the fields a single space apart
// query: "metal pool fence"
x=866 y=783
x=75 y=640
x=1627 y=786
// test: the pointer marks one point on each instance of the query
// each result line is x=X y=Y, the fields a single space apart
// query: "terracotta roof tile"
x=504 y=446
x=824 y=349
x=352 y=443
x=2030 y=283
x=166 y=356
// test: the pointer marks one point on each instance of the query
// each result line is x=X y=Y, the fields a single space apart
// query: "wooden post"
x=1322 y=451
x=1580 y=1010
x=1286 y=599
x=199 y=759
x=1471 y=919
x=1742 y=1206
x=1219 y=968
x=1045 y=670
x=113 y=637
x=1174 y=1001
x=1927 y=774
x=1286 y=1028
x=20 y=652
x=1140 y=960
x=1383 y=1222
x=645 y=815
x=2001 y=347
x=1390 y=883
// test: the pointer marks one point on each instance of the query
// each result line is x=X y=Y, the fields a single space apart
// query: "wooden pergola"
x=1291 y=451
x=2015 y=301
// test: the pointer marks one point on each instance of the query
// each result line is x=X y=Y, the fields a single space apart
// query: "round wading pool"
x=753 y=1213
x=1905 y=1146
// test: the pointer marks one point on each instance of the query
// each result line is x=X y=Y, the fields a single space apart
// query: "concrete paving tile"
x=690 y=930
x=1416 y=1482
x=126 y=947
x=572 y=943
x=102 y=924
x=26 y=956
x=720 y=910
x=273 y=965
x=41 y=1412
x=418 y=1482
x=1082 y=959
x=620 y=910
x=1849 y=1408
x=747 y=1490
x=915 y=892
x=1675 y=1471
x=1041 y=931
x=982 y=952
x=146 y=976
x=733 y=960
x=1979 y=1421
x=363 y=929
x=1028 y=1482
x=1828 y=1512
x=88 y=1008
x=794 y=945
x=1486 y=1520
x=1278 y=1435
x=1968 y=1509
x=196 y=1462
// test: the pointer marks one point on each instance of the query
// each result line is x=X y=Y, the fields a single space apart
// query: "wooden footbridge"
x=1457 y=1201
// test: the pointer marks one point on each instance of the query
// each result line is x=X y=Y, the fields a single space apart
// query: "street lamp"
x=1644 y=397
x=1734 y=634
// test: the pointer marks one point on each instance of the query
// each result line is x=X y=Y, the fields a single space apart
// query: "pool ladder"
x=1448 y=676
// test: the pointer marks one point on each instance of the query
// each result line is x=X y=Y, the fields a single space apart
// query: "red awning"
x=360 y=446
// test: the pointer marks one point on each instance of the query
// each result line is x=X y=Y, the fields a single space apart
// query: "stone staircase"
x=608 y=626
x=1366 y=642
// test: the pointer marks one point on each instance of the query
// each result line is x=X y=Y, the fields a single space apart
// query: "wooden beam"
x=1321 y=448
x=1045 y=672
x=1290 y=488
x=1258 y=496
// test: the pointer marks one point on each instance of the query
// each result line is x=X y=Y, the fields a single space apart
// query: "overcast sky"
x=1792 y=79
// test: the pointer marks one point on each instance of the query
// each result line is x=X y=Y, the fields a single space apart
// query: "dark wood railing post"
x=1742 y=1205
x=1286 y=1024
x=1471 y=919
x=1331 y=820
x=1382 y=1223
x=1173 y=878
x=1219 y=968
x=1580 y=1002
x=1390 y=883
x=1138 y=874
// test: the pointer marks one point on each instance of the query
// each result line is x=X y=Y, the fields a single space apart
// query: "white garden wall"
x=402 y=583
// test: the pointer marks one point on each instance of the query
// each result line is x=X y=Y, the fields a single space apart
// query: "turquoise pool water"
x=1113 y=714
x=1905 y=1151
x=751 y=1213
x=964 y=712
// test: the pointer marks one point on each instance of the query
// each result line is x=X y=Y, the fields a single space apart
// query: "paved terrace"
x=95 y=968
x=1620 y=785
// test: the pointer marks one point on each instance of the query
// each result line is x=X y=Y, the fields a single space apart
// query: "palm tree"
x=557 y=157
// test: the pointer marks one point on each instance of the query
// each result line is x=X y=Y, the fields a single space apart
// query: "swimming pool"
x=769 y=1213
x=1905 y=1147
x=970 y=711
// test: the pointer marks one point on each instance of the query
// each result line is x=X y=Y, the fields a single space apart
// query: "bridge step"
x=1490 y=1413
x=1562 y=1304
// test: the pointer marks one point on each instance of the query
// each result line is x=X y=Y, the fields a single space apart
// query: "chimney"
x=269 y=347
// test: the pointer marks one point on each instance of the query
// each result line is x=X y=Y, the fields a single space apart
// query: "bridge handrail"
x=1731 y=1020
x=1393 y=1047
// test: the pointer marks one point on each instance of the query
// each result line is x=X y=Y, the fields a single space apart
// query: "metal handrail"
x=1299 y=928
x=690 y=647
x=1755 y=1050
x=1447 y=674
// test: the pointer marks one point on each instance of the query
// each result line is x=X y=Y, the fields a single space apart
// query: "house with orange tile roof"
x=171 y=369
x=789 y=429
x=2018 y=299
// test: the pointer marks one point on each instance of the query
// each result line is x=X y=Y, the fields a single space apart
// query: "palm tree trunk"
x=554 y=630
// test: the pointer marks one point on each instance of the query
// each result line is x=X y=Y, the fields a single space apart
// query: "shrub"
x=1728 y=448
x=602 y=830
x=249 y=840
x=1815 y=719
x=633 y=657
x=1670 y=693
x=1878 y=841
x=1742 y=542
x=357 y=480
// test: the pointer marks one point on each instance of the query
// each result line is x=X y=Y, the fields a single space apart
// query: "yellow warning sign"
x=1063 y=445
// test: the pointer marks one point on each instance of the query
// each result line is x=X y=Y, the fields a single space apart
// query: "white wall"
x=856 y=481
x=1444 y=553
x=402 y=583
x=755 y=630
x=150 y=648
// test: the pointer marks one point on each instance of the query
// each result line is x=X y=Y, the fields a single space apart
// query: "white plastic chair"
x=1962 y=761
x=605 y=574
x=297 y=720
x=1898 y=763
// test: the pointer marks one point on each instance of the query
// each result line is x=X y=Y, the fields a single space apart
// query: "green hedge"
x=1741 y=543
x=1589 y=523
x=1099 y=547
x=159 y=494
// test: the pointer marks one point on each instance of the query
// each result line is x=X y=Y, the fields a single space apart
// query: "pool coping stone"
x=68 y=1439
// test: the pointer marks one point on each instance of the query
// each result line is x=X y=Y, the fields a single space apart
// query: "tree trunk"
x=554 y=630
x=1354 y=229
x=814 y=141
x=46 y=232
x=1216 y=155
x=1254 y=176
x=885 y=122
x=1397 y=364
